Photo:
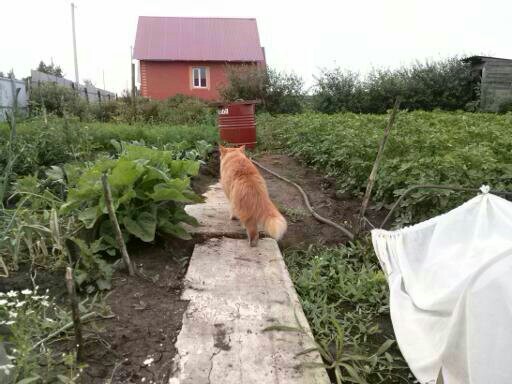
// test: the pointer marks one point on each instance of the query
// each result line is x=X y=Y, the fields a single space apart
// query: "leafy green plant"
x=39 y=146
x=337 y=91
x=279 y=92
x=149 y=189
x=347 y=366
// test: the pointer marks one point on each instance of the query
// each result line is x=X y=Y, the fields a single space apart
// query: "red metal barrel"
x=237 y=123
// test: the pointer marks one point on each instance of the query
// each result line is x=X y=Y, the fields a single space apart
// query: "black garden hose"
x=349 y=234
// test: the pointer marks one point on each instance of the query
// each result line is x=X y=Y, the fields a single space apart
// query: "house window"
x=199 y=77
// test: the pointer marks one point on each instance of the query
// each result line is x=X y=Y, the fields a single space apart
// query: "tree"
x=50 y=69
x=337 y=91
x=88 y=83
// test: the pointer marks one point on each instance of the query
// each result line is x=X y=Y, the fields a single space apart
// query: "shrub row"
x=446 y=85
x=58 y=100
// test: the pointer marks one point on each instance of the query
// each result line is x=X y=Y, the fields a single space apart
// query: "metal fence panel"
x=6 y=97
x=92 y=94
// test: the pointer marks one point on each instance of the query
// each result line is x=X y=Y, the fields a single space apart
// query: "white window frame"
x=198 y=71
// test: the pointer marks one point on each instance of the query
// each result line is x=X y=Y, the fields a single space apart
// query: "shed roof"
x=197 y=39
x=480 y=59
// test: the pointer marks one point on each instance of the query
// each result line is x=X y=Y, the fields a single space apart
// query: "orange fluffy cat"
x=247 y=194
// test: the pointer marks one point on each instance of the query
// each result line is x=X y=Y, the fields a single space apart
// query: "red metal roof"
x=201 y=39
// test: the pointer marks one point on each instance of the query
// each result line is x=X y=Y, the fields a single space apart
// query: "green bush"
x=58 y=100
x=245 y=82
x=337 y=91
x=109 y=111
x=178 y=109
x=182 y=109
x=279 y=92
x=505 y=106
x=284 y=93
x=446 y=85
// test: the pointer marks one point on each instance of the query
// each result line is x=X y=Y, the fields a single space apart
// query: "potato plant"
x=455 y=148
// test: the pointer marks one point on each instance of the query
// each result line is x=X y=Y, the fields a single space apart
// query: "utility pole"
x=104 y=80
x=74 y=44
x=133 y=74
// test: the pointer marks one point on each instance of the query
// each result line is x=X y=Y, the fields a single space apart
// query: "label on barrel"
x=223 y=111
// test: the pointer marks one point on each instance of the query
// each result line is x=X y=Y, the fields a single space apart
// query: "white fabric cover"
x=450 y=281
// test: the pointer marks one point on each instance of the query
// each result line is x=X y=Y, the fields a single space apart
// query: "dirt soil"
x=147 y=318
x=302 y=227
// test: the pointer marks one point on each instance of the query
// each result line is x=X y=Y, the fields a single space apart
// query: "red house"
x=189 y=55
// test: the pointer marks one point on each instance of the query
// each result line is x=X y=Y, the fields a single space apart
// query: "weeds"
x=345 y=298
x=30 y=316
x=294 y=214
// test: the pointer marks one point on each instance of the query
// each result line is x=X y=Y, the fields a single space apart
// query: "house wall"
x=162 y=79
x=496 y=86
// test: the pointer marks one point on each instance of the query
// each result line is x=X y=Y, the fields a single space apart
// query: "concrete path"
x=234 y=292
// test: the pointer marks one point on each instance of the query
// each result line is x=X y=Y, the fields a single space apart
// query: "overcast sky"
x=298 y=36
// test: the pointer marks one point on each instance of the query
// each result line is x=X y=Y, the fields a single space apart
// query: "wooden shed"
x=495 y=77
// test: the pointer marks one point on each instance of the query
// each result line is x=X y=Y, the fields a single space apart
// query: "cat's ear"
x=222 y=150
x=242 y=148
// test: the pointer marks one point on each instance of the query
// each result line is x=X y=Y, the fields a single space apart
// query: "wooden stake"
x=14 y=111
x=70 y=285
x=117 y=230
x=134 y=96
x=373 y=174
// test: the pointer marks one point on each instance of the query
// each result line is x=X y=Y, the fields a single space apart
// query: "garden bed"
x=340 y=285
x=303 y=229
x=147 y=318
x=133 y=338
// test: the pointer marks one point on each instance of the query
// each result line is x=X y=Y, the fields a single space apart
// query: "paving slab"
x=234 y=292
x=213 y=215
